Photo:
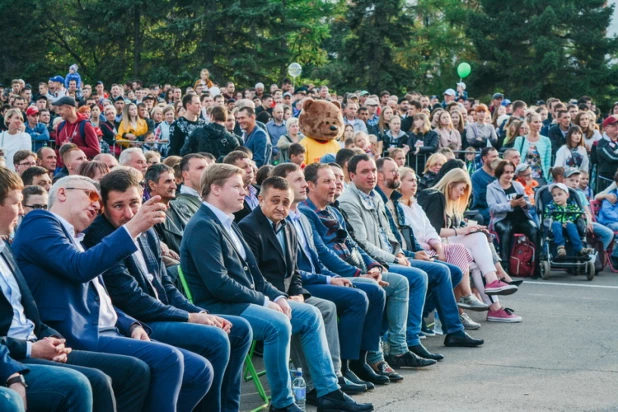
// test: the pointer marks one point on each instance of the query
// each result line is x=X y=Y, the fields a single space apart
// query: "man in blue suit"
x=140 y=286
x=66 y=284
x=224 y=278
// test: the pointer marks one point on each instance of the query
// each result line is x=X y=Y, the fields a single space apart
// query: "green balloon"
x=463 y=70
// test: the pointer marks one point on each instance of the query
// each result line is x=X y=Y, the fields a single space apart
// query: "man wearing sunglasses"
x=67 y=286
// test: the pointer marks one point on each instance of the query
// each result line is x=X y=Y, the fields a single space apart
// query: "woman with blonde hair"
x=432 y=168
x=292 y=136
x=444 y=205
x=535 y=149
x=132 y=127
x=448 y=136
x=431 y=242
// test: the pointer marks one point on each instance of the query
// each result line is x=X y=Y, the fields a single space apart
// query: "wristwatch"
x=17 y=379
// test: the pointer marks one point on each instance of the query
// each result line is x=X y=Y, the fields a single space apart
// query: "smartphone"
x=519 y=196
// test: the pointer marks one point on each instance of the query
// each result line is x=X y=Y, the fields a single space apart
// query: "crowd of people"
x=150 y=235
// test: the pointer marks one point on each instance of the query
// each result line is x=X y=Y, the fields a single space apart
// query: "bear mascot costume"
x=322 y=124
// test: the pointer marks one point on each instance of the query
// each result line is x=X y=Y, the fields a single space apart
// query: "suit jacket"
x=311 y=268
x=218 y=277
x=128 y=284
x=8 y=365
x=18 y=347
x=278 y=266
x=59 y=276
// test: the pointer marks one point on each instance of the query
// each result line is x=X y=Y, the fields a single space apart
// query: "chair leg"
x=250 y=373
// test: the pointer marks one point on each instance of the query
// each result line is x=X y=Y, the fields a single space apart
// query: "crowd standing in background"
x=150 y=234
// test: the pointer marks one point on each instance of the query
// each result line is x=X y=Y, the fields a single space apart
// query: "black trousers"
x=506 y=228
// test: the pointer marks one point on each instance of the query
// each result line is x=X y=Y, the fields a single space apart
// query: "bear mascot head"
x=322 y=124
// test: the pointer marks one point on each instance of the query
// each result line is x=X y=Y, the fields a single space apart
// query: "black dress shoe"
x=408 y=360
x=292 y=408
x=384 y=369
x=351 y=388
x=366 y=373
x=462 y=339
x=420 y=350
x=351 y=376
x=312 y=397
x=513 y=282
x=338 y=401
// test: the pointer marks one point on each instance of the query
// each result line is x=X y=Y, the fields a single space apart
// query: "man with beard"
x=366 y=211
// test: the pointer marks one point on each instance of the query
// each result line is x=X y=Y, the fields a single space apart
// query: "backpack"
x=522 y=260
x=597 y=244
x=82 y=129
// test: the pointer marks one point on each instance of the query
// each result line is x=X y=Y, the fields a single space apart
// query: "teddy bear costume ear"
x=307 y=102
x=336 y=103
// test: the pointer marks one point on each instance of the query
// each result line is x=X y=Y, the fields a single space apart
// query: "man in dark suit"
x=243 y=160
x=30 y=341
x=359 y=302
x=557 y=133
x=274 y=244
x=66 y=284
x=224 y=278
x=140 y=286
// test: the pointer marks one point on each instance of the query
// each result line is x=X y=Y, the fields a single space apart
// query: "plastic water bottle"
x=299 y=387
x=437 y=324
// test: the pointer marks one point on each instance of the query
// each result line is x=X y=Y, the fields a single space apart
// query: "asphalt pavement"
x=562 y=357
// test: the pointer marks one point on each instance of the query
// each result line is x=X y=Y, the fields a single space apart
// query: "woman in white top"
x=573 y=153
x=15 y=138
x=585 y=120
x=430 y=240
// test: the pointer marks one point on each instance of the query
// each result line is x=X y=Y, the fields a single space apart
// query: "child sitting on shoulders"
x=564 y=213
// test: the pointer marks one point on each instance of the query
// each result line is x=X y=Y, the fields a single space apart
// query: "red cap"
x=610 y=120
x=32 y=110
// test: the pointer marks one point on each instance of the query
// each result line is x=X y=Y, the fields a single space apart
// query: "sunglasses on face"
x=93 y=195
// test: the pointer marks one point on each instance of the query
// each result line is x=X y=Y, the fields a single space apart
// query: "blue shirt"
x=226 y=221
x=294 y=217
x=21 y=327
x=275 y=131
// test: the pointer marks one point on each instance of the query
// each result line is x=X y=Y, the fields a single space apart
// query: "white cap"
x=462 y=84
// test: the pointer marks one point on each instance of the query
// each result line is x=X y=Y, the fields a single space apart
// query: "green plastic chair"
x=250 y=373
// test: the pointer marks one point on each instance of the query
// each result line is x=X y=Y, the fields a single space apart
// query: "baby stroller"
x=572 y=263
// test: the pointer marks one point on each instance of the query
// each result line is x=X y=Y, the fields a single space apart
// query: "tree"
x=543 y=48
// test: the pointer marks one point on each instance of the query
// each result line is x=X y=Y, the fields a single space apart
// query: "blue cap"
x=328 y=158
x=506 y=102
x=57 y=79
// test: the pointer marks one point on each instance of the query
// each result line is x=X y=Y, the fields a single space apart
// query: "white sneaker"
x=472 y=303
x=468 y=323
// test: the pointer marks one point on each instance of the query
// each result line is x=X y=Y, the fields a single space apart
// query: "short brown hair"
x=284 y=169
x=23 y=155
x=89 y=169
x=216 y=175
x=235 y=156
x=9 y=180
x=65 y=149
x=502 y=164
x=120 y=179
x=218 y=114
x=274 y=182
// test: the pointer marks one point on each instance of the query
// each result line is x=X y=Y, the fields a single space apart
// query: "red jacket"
x=70 y=133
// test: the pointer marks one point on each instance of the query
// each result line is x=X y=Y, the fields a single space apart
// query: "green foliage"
x=530 y=49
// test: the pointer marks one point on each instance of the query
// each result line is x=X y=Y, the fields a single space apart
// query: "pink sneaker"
x=504 y=315
x=498 y=287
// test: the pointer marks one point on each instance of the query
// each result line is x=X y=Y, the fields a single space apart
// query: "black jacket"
x=433 y=203
x=279 y=267
x=556 y=137
x=607 y=153
x=212 y=138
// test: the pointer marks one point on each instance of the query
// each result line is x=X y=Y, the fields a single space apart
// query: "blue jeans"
x=614 y=228
x=571 y=230
x=395 y=317
x=51 y=388
x=226 y=353
x=421 y=274
x=179 y=379
x=275 y=329
x=360 y=311
x=10 y=401
x=606 y=234
x=116 y=380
